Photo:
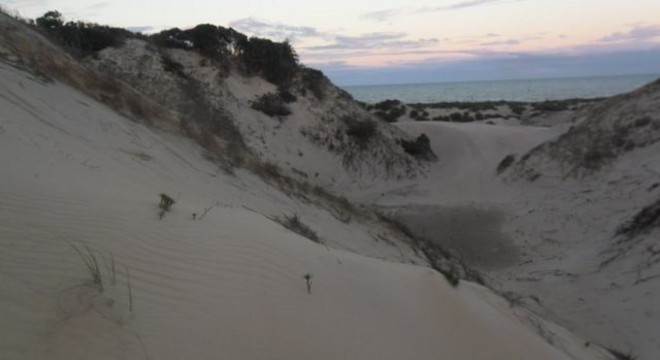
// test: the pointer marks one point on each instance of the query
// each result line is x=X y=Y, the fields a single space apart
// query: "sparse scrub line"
x=292 y=222
x=276 y=62
x=166 y=203
x=96 y=278
x=645 y=220
x=619 y=355
x=392 y=110
x=274 y=105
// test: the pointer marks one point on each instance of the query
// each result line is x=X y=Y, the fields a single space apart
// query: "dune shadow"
x=474 y=233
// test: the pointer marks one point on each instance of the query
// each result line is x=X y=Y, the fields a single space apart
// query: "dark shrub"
x=387 y=104
x=391 y=115
x=641 y=122
x=209 y=39
x=517 y=108
x=456 y=117
x=276 y=62
x=550 y=105
x=505 y=163
x=172 y=66
x=272 y=105
x=293 y=223
x=419 y=148
x=390 y=110
x=644 y=220
x=361 y=131
x=285 y=95
x=619 y=355
x=314 y=81
x=83 y=38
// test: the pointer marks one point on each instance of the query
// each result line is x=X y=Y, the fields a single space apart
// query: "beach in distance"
x=508 y=90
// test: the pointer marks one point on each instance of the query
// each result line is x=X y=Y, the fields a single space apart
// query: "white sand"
x=563 y=228
x=229 y=286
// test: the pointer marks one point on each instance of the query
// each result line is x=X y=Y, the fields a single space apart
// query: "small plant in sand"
x=451 y=275
x=92 y=265
x=308 y=281
x=91 y=262
x=165 y=204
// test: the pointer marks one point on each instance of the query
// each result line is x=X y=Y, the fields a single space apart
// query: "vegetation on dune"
x=388 y=110
x=505 y=163
x=80 y=37
x=271 y=104
x=419 y=148
x=293 y=223
x=393 y=110
x=646 y=219
x=360 y=131
x=276 y=62
x=619 y=355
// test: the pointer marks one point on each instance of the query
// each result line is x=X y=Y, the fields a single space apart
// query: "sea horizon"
x=533 y=89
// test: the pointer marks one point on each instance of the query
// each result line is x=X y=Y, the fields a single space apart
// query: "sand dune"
x=228 y=286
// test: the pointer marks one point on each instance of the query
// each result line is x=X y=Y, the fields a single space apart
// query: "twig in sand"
x=130 y=290
x=207 y=210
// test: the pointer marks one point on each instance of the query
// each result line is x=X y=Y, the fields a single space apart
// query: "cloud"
x=494 y=65
x=388 y=14
x=276 y=31
x=98 y=5
x=377 y=40
x=25 y=3
x=467 y=4
x=639 y=32
x=502 y=42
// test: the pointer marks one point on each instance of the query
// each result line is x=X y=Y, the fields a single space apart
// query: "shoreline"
x=532 y=90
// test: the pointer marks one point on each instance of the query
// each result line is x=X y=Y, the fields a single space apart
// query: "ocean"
x=511 y=90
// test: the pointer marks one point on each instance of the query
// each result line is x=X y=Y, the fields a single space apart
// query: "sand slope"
x=228 y=286
x=551 y=243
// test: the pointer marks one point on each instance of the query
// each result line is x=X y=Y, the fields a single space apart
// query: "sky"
x=412 y=41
